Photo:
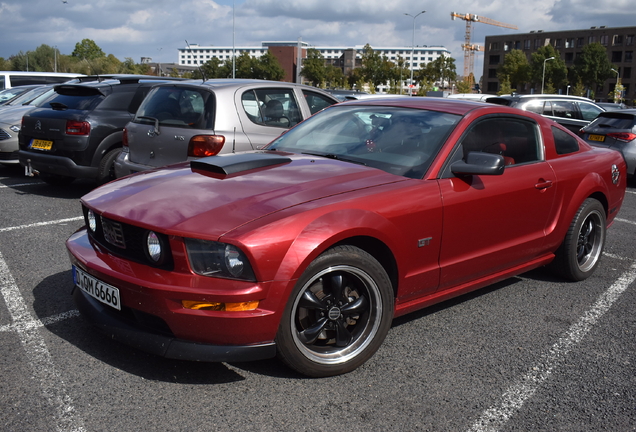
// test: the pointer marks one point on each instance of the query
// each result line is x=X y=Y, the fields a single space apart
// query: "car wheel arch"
x=111 y=142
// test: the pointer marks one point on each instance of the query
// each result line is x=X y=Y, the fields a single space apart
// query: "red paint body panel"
x=437 y=237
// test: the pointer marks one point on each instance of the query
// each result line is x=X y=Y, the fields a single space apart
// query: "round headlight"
x=92 y=220
x=234 y=261
x=154 y=246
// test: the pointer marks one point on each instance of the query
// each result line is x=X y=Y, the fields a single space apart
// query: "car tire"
x=580 y=253
x=337 y=315
x=106 y=171
x=55 y=179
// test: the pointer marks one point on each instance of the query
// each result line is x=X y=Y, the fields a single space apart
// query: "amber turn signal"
x=215 y=306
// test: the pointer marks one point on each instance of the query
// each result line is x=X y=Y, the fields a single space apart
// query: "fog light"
x=215 y=306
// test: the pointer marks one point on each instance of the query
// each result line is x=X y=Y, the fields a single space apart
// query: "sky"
x=158 y=28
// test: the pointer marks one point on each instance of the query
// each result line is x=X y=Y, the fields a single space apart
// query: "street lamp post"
x=543 y=79
x=413 y=49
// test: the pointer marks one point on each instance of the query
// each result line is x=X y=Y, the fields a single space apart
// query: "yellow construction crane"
x=468 y=47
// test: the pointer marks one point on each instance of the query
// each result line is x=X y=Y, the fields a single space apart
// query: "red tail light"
x=622 y=136
x=205 y=145
x=124 y=139
x=77 y=127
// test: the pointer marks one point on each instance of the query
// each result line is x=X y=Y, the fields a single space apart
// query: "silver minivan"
x=187 y=120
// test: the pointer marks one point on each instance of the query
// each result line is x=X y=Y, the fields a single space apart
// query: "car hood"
x=181 y=200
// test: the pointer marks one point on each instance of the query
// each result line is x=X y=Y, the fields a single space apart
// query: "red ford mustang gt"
x=309 y=248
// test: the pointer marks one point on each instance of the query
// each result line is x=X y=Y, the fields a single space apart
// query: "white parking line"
x=38 y=224
x=21 y=184
x=625 y=221
x=38 y=355
x=513 y=399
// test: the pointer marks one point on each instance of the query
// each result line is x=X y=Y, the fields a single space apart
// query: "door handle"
x=543 y=184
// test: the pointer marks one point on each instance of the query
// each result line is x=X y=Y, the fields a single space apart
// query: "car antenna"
x=198 y=66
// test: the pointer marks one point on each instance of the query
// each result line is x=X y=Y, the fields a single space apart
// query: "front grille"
x=4 y=135
x=128 y=241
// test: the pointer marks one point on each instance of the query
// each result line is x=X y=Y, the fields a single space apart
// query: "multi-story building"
x=619 y=42
x=347 y=58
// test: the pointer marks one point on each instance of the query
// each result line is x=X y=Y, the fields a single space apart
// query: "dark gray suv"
x=77 y=133
x=573 y=112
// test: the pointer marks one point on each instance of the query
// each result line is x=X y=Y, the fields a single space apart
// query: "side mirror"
x=478 y=163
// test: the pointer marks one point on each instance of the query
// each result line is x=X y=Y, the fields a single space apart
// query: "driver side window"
x=514 y=138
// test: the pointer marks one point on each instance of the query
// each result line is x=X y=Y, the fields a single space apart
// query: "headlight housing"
x=210 y=258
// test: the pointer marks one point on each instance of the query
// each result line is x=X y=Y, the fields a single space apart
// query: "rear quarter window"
x=564 y=143
x=75 y=102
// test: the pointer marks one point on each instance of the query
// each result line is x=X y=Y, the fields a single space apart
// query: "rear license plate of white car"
x=599 y=138
x=41 y=144
x=97 y=289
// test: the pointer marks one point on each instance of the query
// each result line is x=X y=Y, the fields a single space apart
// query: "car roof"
x=452 y=106
x=541 y=96
x=239 y=82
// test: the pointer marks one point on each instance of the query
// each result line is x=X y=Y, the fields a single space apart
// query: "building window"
x=629 y=40
x=538 y=42
x=527 y=44
x=557 y=43
x=494 y=46
x=492 y=73
x=580 y=42
x=569 y=43
x=627 y=72
x=494 y=59
x=591 y=39
x=517 y=44
x=569 y=57
x=629 y=55
x=604 y=40
x=617 y=56
x=617 y=40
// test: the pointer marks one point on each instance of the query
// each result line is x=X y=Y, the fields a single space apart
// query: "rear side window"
x=564 y=109
x=272 y=107
x=183 y=107
x=118 y=100
x=564 y=143
x=316 y=101
x=589 y=111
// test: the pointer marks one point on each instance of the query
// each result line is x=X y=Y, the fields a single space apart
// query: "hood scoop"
x=226 y=165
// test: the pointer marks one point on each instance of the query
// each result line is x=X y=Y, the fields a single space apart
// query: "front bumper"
x=153 y=319
x=163 y=345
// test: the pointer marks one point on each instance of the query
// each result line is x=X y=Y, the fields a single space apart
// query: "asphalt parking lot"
x=533 y=353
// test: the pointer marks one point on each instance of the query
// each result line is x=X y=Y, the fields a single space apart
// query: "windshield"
x=400 y=141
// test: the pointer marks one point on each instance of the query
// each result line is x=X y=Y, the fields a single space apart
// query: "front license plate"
x=599 y=138
x=97 y=289
x=41 y=144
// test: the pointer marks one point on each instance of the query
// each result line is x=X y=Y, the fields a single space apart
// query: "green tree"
x=555 y=70
x=334 y=77
x=592 y=65
x=314 y=69
x=375 y=68
x=87 y=49
x=515 y=68
x=464 y=86
x=210 y=69
x=440 y=70
x=267 y=67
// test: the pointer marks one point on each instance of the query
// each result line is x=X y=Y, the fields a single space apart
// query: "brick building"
x=619 y=42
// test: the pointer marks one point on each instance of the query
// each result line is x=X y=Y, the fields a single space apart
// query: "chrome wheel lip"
x=590 y=241
x=365 y=337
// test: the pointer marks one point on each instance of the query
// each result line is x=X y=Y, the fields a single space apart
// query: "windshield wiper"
x=335 y=157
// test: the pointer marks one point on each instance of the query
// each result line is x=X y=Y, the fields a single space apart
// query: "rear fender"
x=112 y=141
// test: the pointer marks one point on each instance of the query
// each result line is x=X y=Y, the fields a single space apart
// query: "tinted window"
x=272 y=107
x=564 y=142
x=564 y=109
x=76 y=102
x=614 y=121
x=183 y=107
x=316 y=101
x=118 y=100
x=535 y=106
x=513 y=138
x=589 y=111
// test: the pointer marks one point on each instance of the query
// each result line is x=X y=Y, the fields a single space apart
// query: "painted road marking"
x=496 y=417
x=39 y=224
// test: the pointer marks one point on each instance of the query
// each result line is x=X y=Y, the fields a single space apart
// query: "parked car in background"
x=180 y=121
x=368 y=210
x=10 y=122
x=27 y=97
x=611 y=106
x=10 y=79
x=573 y=112
x=7 y=95
x=616 y=130
x=343 y=95
x=78 y=132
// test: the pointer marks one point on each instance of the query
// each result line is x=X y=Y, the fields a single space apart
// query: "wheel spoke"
x=309 y=335
x=310 y=301
x=335 y=285
x=357 y=307
x=343 y=336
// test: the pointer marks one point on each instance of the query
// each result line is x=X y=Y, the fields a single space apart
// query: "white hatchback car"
x=187 y=120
